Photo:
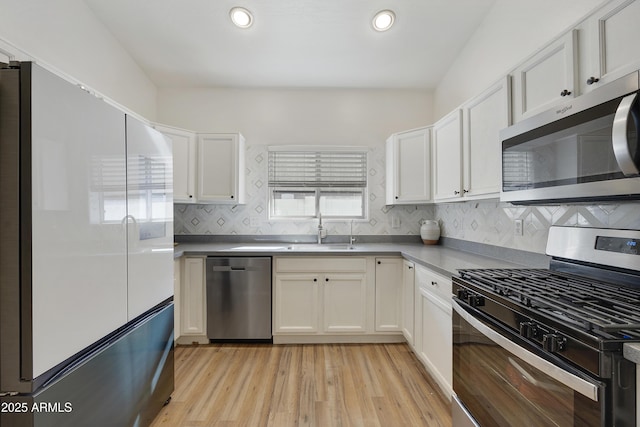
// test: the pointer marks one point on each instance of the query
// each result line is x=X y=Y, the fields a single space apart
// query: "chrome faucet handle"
x=352 y=238
x=321 y=231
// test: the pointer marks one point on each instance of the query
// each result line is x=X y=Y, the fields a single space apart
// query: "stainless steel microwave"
x=584 y=150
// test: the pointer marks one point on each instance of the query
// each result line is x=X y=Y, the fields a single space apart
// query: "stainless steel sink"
x=319 y=248
x=257 y=248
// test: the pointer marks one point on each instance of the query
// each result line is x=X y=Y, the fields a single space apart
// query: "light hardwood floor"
x=292 y=385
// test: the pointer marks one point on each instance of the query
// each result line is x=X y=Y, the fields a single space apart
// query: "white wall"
x=511 y=31
x=297 y=116
x=66 y=36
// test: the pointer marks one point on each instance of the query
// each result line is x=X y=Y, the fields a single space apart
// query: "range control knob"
x=528 y=329
x=463 y=294
x=554 y=342
x=475 y=300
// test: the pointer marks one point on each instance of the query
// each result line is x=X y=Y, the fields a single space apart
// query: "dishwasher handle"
x=229 y=268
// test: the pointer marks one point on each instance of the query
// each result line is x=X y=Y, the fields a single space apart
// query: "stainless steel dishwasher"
x=239 y=298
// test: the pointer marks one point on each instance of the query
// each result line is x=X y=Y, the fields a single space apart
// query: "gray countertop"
x=632 y=352
x=441 y=259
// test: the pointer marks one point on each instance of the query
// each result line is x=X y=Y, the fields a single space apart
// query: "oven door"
x=584 y=150
x=499 y=379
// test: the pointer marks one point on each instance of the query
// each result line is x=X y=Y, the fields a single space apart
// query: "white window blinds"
x=318 y=169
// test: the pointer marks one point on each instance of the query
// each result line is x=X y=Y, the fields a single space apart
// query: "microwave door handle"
x=619 y=140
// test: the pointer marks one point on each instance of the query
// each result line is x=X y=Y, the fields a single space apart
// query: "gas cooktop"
x=607 y=310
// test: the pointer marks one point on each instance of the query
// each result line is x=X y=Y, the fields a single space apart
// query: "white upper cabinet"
x=483 y=118
x=220 y=177
x=447 y=157
x=408 y=172
x=184 y=163
x=207 y=167
x=547 y=78
x=613 y=48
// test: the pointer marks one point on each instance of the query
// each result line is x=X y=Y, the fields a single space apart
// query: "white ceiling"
x=293 y=43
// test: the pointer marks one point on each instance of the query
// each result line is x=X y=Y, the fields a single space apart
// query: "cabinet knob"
x=379 y=262
x=191 y=196
x=326 y=279
x=592 y=80
x=410 y=267
x=565 y=92
x=396 y=197
x=232 y=197
x=434 y=283
x=315 y=279
x=456 y=192
x=465 y=191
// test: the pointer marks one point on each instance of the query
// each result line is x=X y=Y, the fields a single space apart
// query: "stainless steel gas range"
x=537 y=347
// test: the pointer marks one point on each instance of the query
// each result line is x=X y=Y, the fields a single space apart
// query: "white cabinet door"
x=436 y=350
x=344 y=302
x=484 y=116
x=221 y=168
x=614 y=49
x=149 y=217
x=184 y=163
x=408 y=296
x=296 y=303
x=447 y=157
x=388 y=294
x=408 y=167
x=192 y=310
x=547 y=78
x=433 y=333
x=177 y=300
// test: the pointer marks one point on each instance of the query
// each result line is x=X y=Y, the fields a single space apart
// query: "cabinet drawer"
x=319 y=264
x=434 y=283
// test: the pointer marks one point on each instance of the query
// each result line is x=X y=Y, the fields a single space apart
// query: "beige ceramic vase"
x=430 y=232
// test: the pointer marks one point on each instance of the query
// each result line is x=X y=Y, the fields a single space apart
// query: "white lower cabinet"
x=408 y=301
x=388 y=294
x=193 y=301
x=344 y=302
x=319 y=295
x=297 y=299
x=177 y=275
x=433 y=330
x=333 y=299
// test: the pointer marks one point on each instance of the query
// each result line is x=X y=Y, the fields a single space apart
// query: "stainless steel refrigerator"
x=86 y=257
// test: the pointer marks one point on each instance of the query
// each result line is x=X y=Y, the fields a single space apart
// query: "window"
x=307 y=182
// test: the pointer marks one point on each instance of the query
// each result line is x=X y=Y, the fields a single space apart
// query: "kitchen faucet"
x=352 y=239
x=321 y=231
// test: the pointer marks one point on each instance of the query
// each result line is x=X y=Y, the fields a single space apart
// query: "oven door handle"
x=619 y=141
x=578 y=384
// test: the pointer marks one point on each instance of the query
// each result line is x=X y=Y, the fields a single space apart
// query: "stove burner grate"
x=590 y=304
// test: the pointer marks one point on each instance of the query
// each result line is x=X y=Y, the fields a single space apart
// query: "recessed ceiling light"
x=241 y=17
x=383 y=20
